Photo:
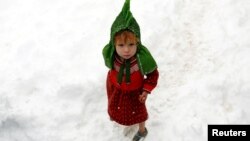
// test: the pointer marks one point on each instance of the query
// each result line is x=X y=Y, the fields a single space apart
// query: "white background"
x=52 y=74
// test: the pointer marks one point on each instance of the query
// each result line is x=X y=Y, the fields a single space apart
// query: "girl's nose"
x=126 y=49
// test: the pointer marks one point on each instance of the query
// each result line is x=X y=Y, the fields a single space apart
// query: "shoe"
x=138 y=136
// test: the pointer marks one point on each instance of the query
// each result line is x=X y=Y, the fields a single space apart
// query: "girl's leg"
x=142 y=133
x=142 y=127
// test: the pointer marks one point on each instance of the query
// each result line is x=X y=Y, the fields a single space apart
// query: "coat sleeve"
x=150 y=81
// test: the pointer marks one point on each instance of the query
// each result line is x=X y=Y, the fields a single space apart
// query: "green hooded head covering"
x=126 y=21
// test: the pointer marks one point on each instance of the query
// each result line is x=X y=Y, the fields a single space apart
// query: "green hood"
x=126 y=21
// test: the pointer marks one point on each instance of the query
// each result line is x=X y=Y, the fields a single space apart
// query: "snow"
x=52 y=74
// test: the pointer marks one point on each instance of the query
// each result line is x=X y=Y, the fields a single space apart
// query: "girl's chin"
x=126 y=57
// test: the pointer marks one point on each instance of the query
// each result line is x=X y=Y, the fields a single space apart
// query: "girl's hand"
x=143 y=97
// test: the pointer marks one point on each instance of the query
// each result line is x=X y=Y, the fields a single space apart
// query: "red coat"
x=124 y=106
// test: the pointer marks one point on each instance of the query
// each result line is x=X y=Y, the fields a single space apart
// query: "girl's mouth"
x=126 y=56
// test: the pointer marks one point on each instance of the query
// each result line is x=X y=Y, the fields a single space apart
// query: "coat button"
x=118 y=107
x=133 y=112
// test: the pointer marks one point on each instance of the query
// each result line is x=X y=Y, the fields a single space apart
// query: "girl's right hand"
x=143 y=97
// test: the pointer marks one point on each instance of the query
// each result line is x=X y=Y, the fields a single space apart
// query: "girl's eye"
x=120 y=45
x=131 y=44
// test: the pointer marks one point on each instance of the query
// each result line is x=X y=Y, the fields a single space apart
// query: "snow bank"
x=52 y=74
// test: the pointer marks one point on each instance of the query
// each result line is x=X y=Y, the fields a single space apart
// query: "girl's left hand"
x=143 y=97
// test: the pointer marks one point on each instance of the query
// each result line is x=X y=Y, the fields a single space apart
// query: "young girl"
x=133 y=73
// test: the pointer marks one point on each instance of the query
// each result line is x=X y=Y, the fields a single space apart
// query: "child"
x=129 y=61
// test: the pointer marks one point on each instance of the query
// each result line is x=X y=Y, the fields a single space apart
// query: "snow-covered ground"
x=52 y=74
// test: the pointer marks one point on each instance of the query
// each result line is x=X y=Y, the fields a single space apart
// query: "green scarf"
x=126 y=66
x=126 y=21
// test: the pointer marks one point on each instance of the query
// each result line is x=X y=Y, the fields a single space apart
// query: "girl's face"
x=126 y=44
